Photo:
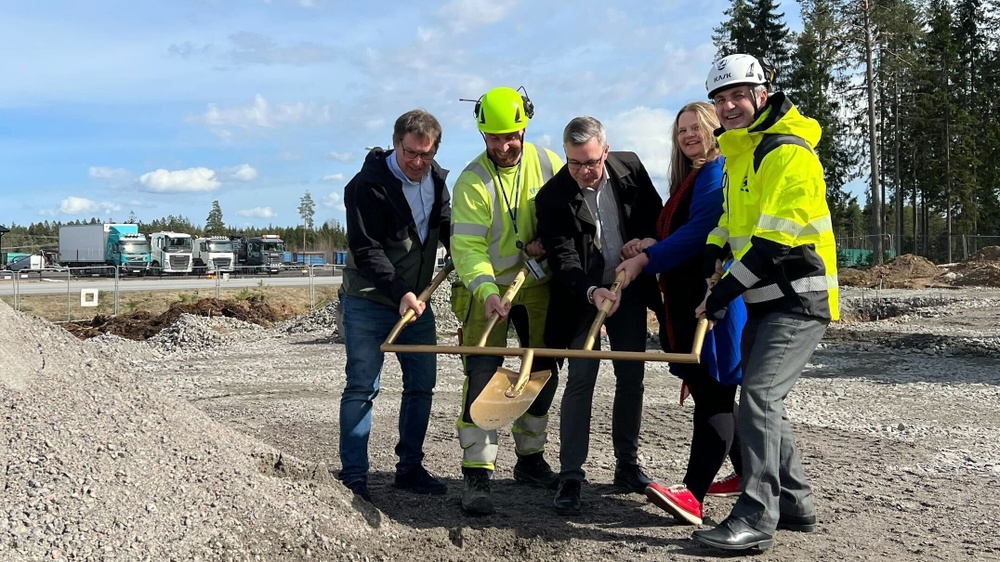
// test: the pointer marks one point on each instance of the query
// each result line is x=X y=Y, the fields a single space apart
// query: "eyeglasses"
x=413 y=154
x=589 y=164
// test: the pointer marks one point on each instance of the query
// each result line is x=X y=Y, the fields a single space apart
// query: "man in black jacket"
x=585 y=213
x=398 y=210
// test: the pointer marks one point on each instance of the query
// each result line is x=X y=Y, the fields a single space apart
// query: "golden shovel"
x=508 y=394
x=422 y=297
x=602 y=313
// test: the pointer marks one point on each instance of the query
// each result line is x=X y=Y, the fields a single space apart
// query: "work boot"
x=477 y=499
x=419 y=481
x=631 y=478
x=532 y=469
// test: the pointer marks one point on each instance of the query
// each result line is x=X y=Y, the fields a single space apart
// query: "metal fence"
x=86 y=292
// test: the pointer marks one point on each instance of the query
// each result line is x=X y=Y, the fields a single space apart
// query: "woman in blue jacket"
x=691 y=212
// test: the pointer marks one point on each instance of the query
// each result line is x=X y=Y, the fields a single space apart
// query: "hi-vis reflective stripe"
x=805 y=285
x=498 y=261
x=720 y=232
x=482 y=279
x=743 y=274
x=791 y=228
x=737 y=243
x=469 y=229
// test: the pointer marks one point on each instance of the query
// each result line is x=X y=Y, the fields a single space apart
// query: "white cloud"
x=115 y=175
x=257 y=212
x=262 y=114
x=243 y=172
x=80 y=205
x=334 y=177
x=341 y=156
x=463 y=15
x=307 y=3
x=334 y=200
x=645 y=131
x=179 y=181
x=545 y=140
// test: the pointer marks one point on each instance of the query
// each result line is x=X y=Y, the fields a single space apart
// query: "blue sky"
x=110 y=107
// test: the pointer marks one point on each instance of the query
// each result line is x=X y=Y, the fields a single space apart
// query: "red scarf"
x=662 y=232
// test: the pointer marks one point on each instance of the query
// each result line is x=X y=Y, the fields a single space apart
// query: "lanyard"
x=512 y=211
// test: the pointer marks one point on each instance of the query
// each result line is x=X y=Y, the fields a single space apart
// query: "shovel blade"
x=493 y=409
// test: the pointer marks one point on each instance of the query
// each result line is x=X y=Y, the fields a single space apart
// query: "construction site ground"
x=215 y=440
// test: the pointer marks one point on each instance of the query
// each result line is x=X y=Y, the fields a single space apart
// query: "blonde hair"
x=680 y=164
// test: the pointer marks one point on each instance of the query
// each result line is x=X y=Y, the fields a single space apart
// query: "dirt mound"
x=982 y=269
x=987 y=254
x=902 y=272
x=99 y=466
x=142 y=325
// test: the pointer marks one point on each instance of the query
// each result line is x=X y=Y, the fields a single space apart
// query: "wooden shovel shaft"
x=603 y=313
x=512 y=290
x=422 y=297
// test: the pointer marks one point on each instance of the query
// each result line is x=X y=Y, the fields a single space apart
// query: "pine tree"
x=734 y=35
x=214 y=226
x=816 y=77
x=307 y=208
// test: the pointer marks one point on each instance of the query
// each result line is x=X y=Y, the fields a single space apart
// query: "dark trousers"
x=713 y=434
x=627 y=332
x=775 y=348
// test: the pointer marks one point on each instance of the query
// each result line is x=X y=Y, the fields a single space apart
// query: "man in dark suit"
x=585 y=213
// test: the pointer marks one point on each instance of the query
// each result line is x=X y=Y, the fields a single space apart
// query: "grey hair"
x=581 y=129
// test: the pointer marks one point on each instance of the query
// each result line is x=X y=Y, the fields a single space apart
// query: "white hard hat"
x=735 y=70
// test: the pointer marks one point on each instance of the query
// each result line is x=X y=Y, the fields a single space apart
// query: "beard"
x=506 y=159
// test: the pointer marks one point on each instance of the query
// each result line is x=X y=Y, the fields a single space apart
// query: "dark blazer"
x=567 y=230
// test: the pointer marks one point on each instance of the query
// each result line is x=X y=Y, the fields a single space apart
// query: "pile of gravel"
x=99 y=466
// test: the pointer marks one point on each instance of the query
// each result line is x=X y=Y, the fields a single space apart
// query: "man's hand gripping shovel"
x=508 y=394
x=422 y=297
x=602 y=312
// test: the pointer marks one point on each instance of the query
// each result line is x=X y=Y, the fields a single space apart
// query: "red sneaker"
x=677 y=501
x=728 y=486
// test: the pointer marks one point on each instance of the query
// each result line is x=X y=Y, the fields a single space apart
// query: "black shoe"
x=631 y=478
x=418 y=480
x=477 y=498
x=533 y=470
x=734 y=534
x=360 y=489
x=799 y=523
x=567 y=500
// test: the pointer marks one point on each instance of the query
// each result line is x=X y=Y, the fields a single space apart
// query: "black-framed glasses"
x=589 y=164
x=413 y=154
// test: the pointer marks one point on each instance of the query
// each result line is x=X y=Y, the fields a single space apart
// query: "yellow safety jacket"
x=492 y=209
x=775 y=218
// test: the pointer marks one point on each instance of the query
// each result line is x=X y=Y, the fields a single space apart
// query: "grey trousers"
x=775 y=348
x=627 y=332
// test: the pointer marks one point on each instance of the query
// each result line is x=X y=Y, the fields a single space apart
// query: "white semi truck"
x=171 y=252
x=214 y=253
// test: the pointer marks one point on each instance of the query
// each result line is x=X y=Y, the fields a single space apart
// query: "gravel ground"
x=215 y=441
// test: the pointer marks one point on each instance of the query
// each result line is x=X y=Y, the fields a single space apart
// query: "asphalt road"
x=30 y=284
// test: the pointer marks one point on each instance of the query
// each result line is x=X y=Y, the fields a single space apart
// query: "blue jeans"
x=366 y=325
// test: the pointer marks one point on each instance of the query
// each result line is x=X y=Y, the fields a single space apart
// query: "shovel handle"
x=512 y=290
x=422 y=297
x=603 y=313
x=517 y=388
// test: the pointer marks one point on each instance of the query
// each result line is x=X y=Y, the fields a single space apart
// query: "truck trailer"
x=100 y=245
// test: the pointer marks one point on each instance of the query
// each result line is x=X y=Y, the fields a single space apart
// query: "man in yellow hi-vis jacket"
x=493 y=236
x=777 y=224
